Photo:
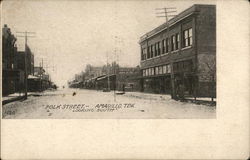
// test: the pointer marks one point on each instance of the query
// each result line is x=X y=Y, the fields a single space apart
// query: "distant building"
x=127 y=78
x=20 y=56
x=11 y=76
x=182 y=52
x=119 y=78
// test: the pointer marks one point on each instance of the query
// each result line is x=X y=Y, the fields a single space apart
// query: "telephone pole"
x=25 y=60
x=108 y=71
x=164 y=12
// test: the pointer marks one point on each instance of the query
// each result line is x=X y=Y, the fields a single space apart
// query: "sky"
x=72 y=33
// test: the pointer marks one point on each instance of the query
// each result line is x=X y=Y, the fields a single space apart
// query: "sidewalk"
x=12 y=97
x=166 y=97
x=15 y=97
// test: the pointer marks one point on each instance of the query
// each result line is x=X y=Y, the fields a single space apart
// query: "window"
x=188 y=40
x=152 y=51
x=144 y=72
x=173 y=42
x=144 y=54
x=148 y=54
x=153 y=71
x=177 y=41
x=160 y=70
x=190 y=36
x=156 y=49
x=141 y=54
x=156 y=70
x=159 y=50
x=163 y=46
x=169 y=68
x=164 y=69
x=167 y=45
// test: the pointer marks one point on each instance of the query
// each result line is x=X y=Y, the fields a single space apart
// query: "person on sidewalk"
x=181 y=92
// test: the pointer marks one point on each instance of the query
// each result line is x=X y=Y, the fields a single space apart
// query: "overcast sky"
x=71 y=34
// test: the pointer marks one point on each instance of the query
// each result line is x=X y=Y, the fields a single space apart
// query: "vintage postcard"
x=113 y=70
x=125 y=60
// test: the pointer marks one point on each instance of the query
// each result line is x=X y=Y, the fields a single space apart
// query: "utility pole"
x=165 y=11
x=108 y=71
x=25 y=61
x=115 y=75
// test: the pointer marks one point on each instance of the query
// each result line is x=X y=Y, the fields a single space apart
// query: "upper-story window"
x=167 y=45
x=143 y=53
x=164 y=69
x=156 y=49
x=159 y=49
x=177 y=41
x=173 y=42
x=156 y=70
x=152 y=51
x=163 y=46
x=153 y=71
x=144 y=72
x=160 y=69
x=148 y=53
x=188 y=37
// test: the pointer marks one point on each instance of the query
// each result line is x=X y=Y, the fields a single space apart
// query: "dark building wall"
x=201 y=18
x=206 y=50
x=9 y=74
x=20 y=56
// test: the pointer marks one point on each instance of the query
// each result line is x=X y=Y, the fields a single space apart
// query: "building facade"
x=181 y=52
x=20 y=57
x=10 y=73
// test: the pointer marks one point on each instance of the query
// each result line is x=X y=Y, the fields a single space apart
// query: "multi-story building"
x=10 y=74
x=181 y=52
x=20 y=57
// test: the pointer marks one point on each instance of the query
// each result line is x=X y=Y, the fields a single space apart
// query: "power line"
x=165 y=12
x=26 y=36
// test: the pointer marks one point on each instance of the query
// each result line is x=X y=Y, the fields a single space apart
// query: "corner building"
x=182 y=51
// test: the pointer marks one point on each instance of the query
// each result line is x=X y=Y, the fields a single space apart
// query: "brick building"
x=10 y=74
x=181 y=52
x=20 y=57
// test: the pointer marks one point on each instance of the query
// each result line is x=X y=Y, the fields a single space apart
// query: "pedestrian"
x=123 y=88
x=181 y=92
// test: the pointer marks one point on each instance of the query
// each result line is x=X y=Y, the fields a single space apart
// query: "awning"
x=100 y=78
x=32 y=77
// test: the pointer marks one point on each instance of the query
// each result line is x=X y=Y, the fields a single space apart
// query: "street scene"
x=75 y=104
x=128 y=60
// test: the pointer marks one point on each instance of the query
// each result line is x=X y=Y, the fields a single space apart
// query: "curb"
x=12 y=100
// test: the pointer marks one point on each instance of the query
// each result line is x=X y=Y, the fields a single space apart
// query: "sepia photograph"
x=127 y=59
x=125 y=79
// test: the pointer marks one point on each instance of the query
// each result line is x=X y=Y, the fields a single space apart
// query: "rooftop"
x=193 y=9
